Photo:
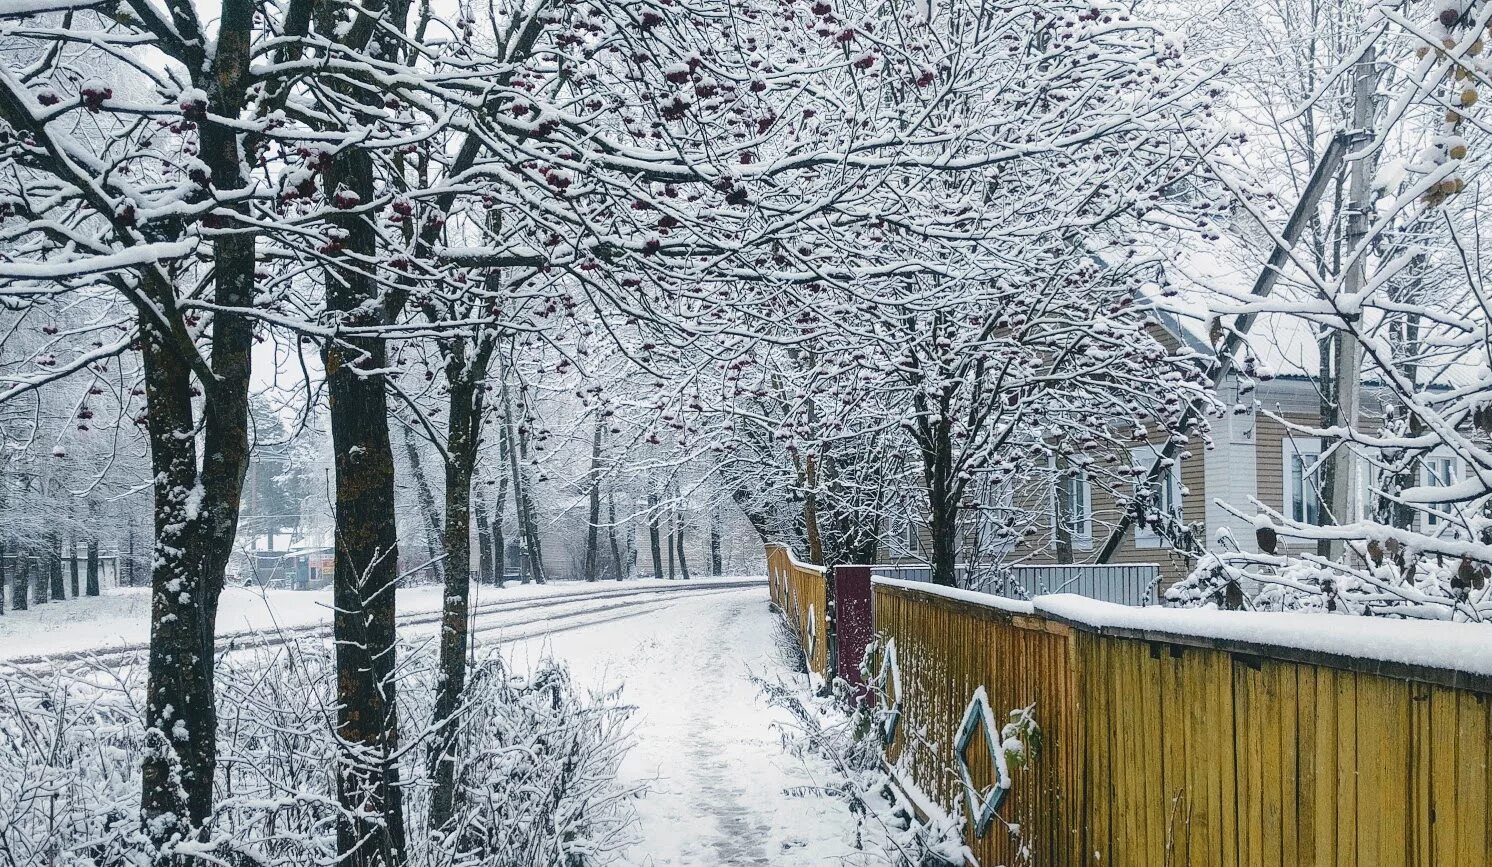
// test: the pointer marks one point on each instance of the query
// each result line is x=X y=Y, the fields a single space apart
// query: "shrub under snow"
x=537 y=765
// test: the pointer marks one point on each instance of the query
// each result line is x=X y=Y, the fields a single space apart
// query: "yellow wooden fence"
x=801 y=590
x=1162 y=750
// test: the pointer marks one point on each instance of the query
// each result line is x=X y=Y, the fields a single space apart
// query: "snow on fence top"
x=793 y=559
x=1436 y=651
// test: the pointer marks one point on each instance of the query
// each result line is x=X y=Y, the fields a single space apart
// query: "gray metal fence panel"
x=1126 y=584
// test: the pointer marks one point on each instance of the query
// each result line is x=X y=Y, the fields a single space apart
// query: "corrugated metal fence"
x=1122 y=584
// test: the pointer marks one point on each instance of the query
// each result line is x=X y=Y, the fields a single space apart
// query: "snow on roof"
x=1220 y=277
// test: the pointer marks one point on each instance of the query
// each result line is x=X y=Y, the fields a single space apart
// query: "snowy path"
x=721 y=791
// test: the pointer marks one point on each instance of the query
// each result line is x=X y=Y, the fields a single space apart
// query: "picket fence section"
x=1166 y=749
x=801 y=591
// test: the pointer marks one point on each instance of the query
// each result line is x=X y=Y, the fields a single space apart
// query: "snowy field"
x=720 y=790
x=120 y=618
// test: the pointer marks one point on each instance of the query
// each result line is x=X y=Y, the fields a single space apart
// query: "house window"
x=1439 y=472
x=1167 y=498
x=1073 y=494
x=1303 y=484
x=904 y=537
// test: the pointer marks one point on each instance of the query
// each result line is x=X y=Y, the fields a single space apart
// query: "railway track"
x=557 y=613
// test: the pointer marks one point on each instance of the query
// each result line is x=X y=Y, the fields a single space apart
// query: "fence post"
x=853 y=629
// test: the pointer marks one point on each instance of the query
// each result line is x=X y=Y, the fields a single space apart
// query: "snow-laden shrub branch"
x=536 y=765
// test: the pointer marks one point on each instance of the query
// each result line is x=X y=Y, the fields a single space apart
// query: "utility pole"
x=1343 y=504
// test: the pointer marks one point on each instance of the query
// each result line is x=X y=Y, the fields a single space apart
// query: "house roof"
x=1200 y=281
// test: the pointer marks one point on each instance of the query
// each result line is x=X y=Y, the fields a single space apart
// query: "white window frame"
x=1430 y=478
x=1308 y=452
x=1082 y=530
x=1169 y=495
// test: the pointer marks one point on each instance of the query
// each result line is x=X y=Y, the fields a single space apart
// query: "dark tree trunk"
x=524 y=501
x=92 y=587
x=4 y=576
x=716 y=566
x=616 y=551
x=428 y=513
x=370 y=828
x=196 y=503
x=20 y=590
x=54 y=565
x=484 y=541
x=942 y=502
x=678 y=539
x=463 y=430
x=196 y=515
x=653 y=537
x=41 y=580
x=1064 y=495
x=593 y=521
x=77 y=578
x=499 y=536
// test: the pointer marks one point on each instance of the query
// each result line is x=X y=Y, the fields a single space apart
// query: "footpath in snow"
x=720 y=790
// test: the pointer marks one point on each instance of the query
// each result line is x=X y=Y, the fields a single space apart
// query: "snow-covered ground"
x=121 y=617
x=720 y=790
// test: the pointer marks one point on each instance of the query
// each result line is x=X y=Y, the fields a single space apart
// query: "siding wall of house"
x=1270 y=458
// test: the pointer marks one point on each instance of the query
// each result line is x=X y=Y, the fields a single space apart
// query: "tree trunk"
x=678 y=537
x=370 y=828
x=1063 y=501
x=653 y=538
x=4 y=575
x=811 y=513
x=77 y=578
x=531 y=537
x=593 y=530
x=484 y=541
x=20 y=591
x=616 y=551
x=499 y=543
x=522 y=503
x=196 y=518
x=716 y=567
x=428 y=513
x=463 y=431
x=92 y=587
x=942 y=502
x=54 y=565
x=196 y=506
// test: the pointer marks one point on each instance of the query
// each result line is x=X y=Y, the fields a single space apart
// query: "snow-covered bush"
x=537 y=764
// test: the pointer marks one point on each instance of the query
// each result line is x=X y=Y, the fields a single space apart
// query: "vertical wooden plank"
x=1248 y=819
x=1420 y=749
x=1227 y=753
x=1370 y=712
x=1098 y=680
x=1325 y=799
x=1306 y=757
x=1192 y=692
x=1151 y=755
x=1271 y=764
x=1471 y=780
x=1347 y=766
x=1288 y=796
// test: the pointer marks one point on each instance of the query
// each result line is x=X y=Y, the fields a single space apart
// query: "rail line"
x=607 y=599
